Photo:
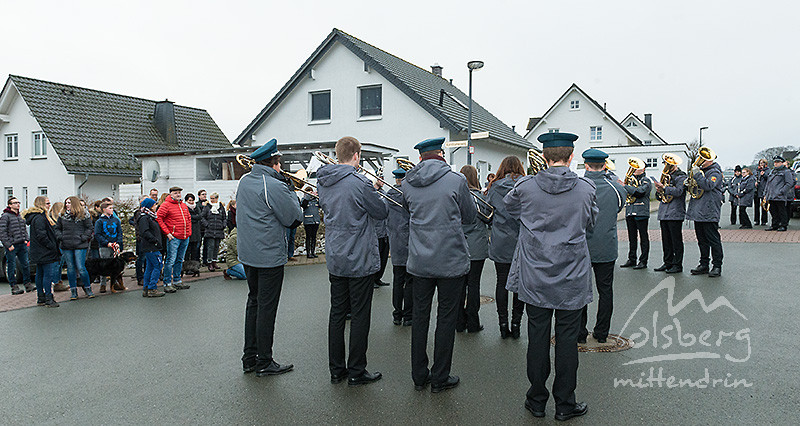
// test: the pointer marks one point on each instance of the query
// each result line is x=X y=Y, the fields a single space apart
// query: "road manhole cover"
x=485 y=300
x=614 y=343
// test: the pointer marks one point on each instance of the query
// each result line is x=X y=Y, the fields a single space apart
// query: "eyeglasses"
x=15 y=202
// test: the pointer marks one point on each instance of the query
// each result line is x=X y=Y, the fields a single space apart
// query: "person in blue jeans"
x=74 y=231
x=176 y=223
x=14 y=236
x=150 y=246
x=108 y=233
x=44 y=250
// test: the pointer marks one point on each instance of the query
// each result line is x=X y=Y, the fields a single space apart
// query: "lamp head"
x=475 y=65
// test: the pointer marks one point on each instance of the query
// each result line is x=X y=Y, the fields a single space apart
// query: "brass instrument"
x=703 y=155
x=666 y=180
x=610 y=165
x=633 y=165
x=299 y=179
x=537 y=162
x=765 y=204
x=405 y=164
x=327 y=159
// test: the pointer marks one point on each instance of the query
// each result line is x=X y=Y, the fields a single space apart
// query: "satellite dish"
x=152 y=170
x=215 y=168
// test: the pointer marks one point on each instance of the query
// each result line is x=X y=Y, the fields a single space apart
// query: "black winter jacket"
x=196 y=215
x=12 y=228
x=214 y=224
x=74 y=234
x=44 y=244
x=149 y=233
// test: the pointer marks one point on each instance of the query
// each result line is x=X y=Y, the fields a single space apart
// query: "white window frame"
x=8 y=140
x=25 y=194
x=632 y=124
x=596 y=133
x=651 y=162
x=574 y=105
x=42 y=191
x=38 y=143
x=9 y=192
x=648 y=142
x=358 y=101
x=553 y=130
x=311 y=107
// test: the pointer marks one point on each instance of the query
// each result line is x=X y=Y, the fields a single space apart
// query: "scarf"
x=148 y=212
x=215 y=207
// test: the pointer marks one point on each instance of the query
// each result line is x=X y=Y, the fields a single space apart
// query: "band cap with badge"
x=594 y=155
x=427 y=145
x=557 y=139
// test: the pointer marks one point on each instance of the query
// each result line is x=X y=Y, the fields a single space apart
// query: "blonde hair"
x=41 y=202
x=75 y=207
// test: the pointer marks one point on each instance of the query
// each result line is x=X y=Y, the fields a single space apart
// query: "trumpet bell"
x=636 y=163
x=610 y=166
x=672 y=159
x=245 y=161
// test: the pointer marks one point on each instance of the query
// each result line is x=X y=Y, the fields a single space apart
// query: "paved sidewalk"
x=756 y=235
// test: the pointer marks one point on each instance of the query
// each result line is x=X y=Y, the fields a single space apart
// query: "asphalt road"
x=124 y=359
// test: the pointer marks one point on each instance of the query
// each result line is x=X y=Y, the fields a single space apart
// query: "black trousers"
x=733 y=212
x=708 y=240
x=383 y=251
x=672 y=242
x=140 y=261
x=760 y=212
x=780 y=217
x=259 y=319
x=744 y=219
x=449 y=291
x=311 y=237
x=566 y=359
x=401 y=293
x=604 y=279
x=352 y=295
x=470 y=301
x=501 y=296
x=193 y=251
x=637 y=228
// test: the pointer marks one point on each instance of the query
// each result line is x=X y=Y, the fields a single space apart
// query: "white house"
x=60 y=140
x=576 y=112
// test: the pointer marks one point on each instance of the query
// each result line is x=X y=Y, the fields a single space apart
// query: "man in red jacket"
x=176 y=223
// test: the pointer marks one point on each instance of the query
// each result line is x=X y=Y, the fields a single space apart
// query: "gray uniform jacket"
x=733 y=187
x=310 y=207
x=397 y=227
x=551 y=268
x=761 y=176
x=380 y=225
x=707 y=207
x=746 y=191
x=351 y=205
x=675 y=209
x=641 y=205
x=505 y=228
x=477 y=232
x=602 y=239
x=438 y=203
x=265 y=207
x=780 y=184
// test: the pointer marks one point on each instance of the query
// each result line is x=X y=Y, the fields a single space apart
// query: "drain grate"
x=614 y=343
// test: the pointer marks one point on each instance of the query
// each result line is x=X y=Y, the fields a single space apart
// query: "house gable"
x=637 y=127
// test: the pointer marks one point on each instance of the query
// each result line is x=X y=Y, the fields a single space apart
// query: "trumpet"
x=537 y=162
x=327 y=159
x=703 y=155
x=633 y=165
x=299 y=179
x=669 y=161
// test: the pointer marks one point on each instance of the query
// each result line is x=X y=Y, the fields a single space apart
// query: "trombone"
x=327 y=159
x=537 y=162
x=299 y=179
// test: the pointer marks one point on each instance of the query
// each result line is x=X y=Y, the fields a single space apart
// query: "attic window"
x=596 y=133
x=632 y=124
x=648 y=142
x=575 y=104
x=371 y=101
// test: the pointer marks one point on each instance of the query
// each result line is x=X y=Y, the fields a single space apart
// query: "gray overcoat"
x=747 y=191
x=780 y=184
x=397 y=228
x=707 y=207
x=675 y=209
x=477 y=233
x=380 y=225
x=505 y=229
x=610 y=198
x=640 y=207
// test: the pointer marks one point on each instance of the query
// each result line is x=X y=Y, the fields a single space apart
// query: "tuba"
x=703 y=155
x=634 y=164
x=669 y=161
x=537 y=162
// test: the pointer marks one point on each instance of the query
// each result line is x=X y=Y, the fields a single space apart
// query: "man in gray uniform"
x=351 y=205
x=602 y=242
x=397 y=228
x=637 y=216
x=670 y=217
x=551 y=270
x=438 y=202
x=780 y=191
x=265 y=208
x=705 y=212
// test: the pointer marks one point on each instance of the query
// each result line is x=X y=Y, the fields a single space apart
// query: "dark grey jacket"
x=733 y=189
x=551 y=267
x=675 y=209
x=12 y=228
x=505 y=229
x=72 y=233
x=438 y=203
x=351 y=205
x=310 y=207
x=265 y=207
x=380 y=225
x=196 y=215
x=214 y=224
x=397 y=227
x=641 y=205
x=780 y=184
x=707 y=207
x=746 y=191
x=44 y=244
x=477 y=232
x=761 y=176
x=610 y=198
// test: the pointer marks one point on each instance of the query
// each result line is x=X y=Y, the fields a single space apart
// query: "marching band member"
x=637 y=216
x=602 y=242
x=551 y=270
x=439 y=203
x=705 y=212
x=780 y=190
x=670 y=217
x=397 y=227
x=266 y=207
x=733 y=191
x=762 y=174
x=311 y=220
x=505 y=231
x=351 y=204
x=747 y=189
x=383 y=243
x=477 y=234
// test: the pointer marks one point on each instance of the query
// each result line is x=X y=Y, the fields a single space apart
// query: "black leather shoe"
x=579 y=410
x=406 y=323
x=422 y=386
x=781 y=229
x=475 y=330
x=699 y=270
x=662 y=268
x=601 y=339
x=515 y=331
x=628 y=264
x=397 y=322
x=460 y=328
x=534 y=411
x=249 y=368
x=745 y=227
x=771 y=229
x=273 y=369
x=504 y=330
x=338 y=378
x=364 y=379
x=451 y=382
x=640 y=265
x=582 y=339
x=381 y=283
x=715 y=272
x=674 y=269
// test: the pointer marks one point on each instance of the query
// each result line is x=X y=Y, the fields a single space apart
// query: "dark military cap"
x=429 y=145
x=399 y=173
x=778 y=158
x=557 y=139
x=269 y=149
x=738 y=168
x=593 y=155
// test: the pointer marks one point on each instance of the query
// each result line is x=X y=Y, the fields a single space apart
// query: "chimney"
x=648 y=121
x=436 y=69
x=164 y=121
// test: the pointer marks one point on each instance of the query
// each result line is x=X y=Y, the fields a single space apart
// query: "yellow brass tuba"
x=633 y=165
x=703 y=155
x=537 y=162
x=669 y=161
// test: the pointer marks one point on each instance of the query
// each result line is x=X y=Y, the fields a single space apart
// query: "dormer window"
x=576 y=104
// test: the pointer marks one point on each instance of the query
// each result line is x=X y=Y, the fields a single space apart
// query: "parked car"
x=796 y=203
x=4 y=269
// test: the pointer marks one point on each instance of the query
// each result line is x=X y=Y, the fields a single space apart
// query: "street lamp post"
x=701 y=135
x=472 y=65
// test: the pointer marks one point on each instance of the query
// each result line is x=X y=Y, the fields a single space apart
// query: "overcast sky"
x=728 y=65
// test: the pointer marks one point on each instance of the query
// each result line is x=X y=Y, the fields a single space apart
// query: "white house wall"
x=640 y=131
x=182 y=171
